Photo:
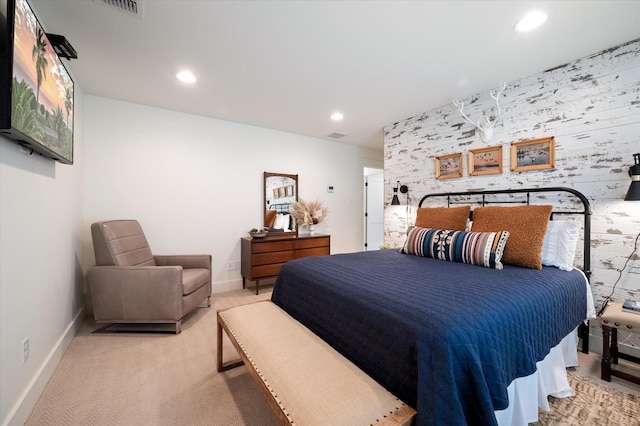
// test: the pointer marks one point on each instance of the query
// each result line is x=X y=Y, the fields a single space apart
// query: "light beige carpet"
x=146 y=378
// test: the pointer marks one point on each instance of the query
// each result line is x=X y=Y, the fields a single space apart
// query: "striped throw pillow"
x=476 y=248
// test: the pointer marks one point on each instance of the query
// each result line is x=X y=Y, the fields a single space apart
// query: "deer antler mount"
x=486 y=128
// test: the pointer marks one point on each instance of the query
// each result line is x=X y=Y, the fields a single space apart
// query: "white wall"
x=195 y=183
x=590 y=106
x=41 y=280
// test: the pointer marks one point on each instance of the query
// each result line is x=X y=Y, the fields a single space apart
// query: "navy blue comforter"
x=446 y=338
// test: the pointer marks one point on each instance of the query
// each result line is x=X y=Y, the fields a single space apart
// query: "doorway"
x=373 y=208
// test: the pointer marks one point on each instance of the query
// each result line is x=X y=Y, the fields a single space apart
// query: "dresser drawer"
x=264 y=271
x=316 y=251
x=306 y=243
x=271 y=257
x=268 y=246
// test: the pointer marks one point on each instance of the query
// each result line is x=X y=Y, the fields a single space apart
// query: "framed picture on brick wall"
x=449 y=166
x=485 y=161
x=534 y=154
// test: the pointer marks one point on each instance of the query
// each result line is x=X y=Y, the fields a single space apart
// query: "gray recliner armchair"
x=131 y=285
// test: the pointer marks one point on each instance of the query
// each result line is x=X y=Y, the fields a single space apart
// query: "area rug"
x=592 y=405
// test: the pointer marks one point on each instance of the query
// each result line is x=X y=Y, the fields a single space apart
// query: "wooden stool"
x=615 y=318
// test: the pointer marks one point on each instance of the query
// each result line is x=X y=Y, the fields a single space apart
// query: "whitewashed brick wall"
x=591 y=107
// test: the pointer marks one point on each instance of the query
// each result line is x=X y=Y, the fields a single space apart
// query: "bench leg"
x=222 y=366
x=219 y=343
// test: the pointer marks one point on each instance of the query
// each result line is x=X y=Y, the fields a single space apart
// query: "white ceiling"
x=288 y=65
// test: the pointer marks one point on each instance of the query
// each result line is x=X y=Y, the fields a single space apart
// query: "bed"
x=462 y=343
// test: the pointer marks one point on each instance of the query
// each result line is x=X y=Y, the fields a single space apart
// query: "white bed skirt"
x=526 y=394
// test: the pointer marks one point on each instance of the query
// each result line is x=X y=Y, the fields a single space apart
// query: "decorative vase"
x=312 y=229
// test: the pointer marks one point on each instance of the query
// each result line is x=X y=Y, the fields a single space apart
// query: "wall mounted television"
x=36 y=90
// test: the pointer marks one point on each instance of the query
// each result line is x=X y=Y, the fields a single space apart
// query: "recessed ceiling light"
x=186 y=77
x=337 y=116
x=531 y=21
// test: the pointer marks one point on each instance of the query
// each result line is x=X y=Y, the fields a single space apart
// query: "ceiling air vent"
x=130 y=7
x=336 y=135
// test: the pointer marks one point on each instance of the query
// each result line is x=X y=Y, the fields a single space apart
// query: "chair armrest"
x=187 y=261
x=139 y=293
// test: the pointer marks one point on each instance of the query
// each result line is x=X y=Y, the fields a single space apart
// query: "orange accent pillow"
x=450 y=218
x=526 y=225
x=270 y=217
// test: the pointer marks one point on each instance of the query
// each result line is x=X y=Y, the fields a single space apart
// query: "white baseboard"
x=27 y=401
x=222 y=286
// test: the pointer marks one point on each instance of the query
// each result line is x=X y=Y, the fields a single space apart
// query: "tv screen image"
x=39 y=113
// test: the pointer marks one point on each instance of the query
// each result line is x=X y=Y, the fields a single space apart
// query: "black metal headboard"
x=523 y=196
x=280 y=208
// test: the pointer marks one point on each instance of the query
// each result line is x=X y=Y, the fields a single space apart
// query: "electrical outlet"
x=25 y=350
x=234 y=265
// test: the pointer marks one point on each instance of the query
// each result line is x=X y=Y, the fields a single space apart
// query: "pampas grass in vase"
x=309 y=213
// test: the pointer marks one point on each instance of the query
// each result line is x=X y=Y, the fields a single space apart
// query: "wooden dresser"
x=261 y=258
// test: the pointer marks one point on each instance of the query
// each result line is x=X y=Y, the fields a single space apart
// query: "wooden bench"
x=305 y=381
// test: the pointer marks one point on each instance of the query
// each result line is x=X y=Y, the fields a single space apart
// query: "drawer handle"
x=629 y=326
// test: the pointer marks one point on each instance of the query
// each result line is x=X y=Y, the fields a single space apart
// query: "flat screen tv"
x=36 y=91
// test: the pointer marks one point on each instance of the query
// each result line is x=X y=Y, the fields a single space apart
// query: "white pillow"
x=286 y=222
x=282 y=222
x=559 y=245
x=277 y=222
